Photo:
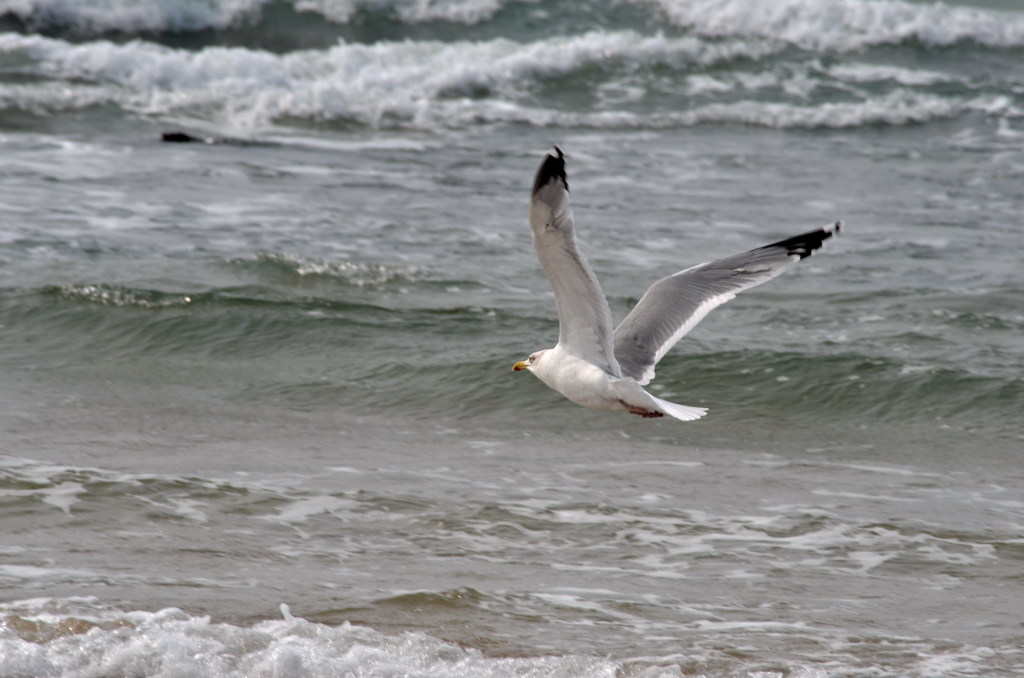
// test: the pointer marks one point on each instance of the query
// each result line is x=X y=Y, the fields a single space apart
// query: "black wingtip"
x=551 y=169
x=806 y=244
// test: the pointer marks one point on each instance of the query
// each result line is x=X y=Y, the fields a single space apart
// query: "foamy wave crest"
x=355 y=273
x=597 y=79
x=132 y=17
x=157 y=16
x=117 y=295
x=847 y=24
x=897 y=108
x=423 y=84
x=412 y=11
x=81 y=636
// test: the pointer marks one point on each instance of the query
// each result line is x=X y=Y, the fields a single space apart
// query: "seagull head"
x=530 y=362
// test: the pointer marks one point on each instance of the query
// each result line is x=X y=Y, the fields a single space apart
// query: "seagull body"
x=605 y=369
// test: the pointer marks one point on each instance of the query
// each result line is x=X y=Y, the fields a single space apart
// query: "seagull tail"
x=681 y=412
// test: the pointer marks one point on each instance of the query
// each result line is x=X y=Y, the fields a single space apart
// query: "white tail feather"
x=681 y=412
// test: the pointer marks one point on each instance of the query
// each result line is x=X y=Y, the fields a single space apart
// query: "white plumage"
x=596 y=367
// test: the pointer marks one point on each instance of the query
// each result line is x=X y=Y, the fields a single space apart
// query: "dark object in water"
x=184 y=138
x=178 y=137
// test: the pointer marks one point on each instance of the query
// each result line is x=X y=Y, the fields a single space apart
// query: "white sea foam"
x=355 y=273
x=302 y=509
x=188 y=15
x=426 y=83
x=32 y=573
x=433 y=85
x=138 y=15
x=412 y=11
x=814 y=24
x=63 y=496
x=46 y=637
x=862 y=72
x=841 y=25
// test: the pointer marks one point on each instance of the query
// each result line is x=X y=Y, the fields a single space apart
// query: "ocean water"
x=257 y=412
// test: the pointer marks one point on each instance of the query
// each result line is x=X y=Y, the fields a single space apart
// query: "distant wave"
x=668 y=63
x=423 y=84
x=829 y=25
x=811 y=24
x=132 y=17
x=597 y=79
x=157 y=16
x=413 y=11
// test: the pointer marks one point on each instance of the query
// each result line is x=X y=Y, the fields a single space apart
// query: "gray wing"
x=584 y=320
x=674 y=305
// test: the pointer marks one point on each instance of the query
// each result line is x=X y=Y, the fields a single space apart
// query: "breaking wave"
x=794 y=64
x=433 y=85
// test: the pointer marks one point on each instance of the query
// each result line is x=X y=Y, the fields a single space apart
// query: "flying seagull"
x=591 y=364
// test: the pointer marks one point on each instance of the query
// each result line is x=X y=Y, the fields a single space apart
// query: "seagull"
x=596 y=367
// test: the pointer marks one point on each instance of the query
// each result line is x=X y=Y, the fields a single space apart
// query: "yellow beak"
x=521 y=365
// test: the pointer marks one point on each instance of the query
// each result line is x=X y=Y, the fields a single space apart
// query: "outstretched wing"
x=674 y=305
x=584 y=321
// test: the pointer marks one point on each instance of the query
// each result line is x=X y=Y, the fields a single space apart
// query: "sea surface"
x=257 y=411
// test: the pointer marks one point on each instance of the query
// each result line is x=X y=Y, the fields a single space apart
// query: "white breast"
x=578 y=380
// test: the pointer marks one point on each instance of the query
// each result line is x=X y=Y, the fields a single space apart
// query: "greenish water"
x=277 y=368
